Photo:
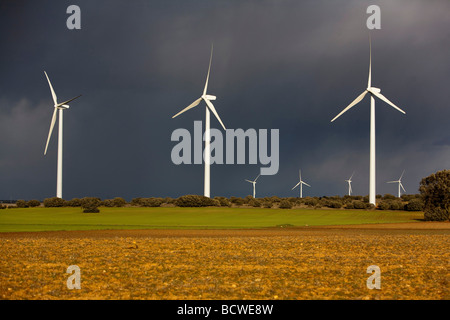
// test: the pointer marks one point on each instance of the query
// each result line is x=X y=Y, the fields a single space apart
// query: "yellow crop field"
x=303 y=263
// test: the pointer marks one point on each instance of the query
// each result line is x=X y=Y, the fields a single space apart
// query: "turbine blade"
x=399 y=179
x=369 y=82
x=51 y=89
x=257 y=177
x=402 y=187
x=213 y=110
x=51 y=129
x=358 y=99
x=209 y=69
x=66 y=102
x=193 y=104
x=380 y=96
x=248 y=181
x=306 y=184
x=296 y=186
x=351 y=176
x=392 y=182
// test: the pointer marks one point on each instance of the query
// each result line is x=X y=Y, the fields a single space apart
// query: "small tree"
x=119 y=202
x=285 y=204
x=21 y=204
x=435 y=192
x=90 y=204
x=54 y=202
x=33 y=203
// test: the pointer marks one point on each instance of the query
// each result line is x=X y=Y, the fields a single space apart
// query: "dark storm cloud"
x=288 y=65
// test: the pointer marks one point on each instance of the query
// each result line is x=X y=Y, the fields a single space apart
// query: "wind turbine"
x=399 y=181
x=254 y=185
x=207 y=137
x=59 y=108
x=374 y=92
x=300 y=183
x=350 y=184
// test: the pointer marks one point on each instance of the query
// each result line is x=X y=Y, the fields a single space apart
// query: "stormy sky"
x=287 y=65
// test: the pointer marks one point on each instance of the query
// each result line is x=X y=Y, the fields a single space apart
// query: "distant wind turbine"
x=58 y=107
x=399 y=181
x=374 y=92
x=254 y=185
x=300 y=183
x=349 y=181
x=209 y=106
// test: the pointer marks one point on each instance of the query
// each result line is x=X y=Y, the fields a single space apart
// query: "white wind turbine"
x=207 y=137
x=254 y=185
x=374 y=92
x=300 y=183
x=399 y=181
x=58 y=107
x=349 y=181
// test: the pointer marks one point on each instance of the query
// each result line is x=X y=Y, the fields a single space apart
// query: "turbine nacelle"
x=209 y=97
x=373 y=89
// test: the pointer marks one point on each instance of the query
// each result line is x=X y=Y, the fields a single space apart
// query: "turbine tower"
x=374 y=92
x=59 y=108
x=254 y=185
x=349 y=181
x=300 y=183
x=399 y=181
x=207 y=137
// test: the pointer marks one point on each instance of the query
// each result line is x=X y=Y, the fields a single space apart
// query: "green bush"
x=119 y=202
x=388 y=196
x=151 y=202
x=310 y=202
x=435 y=193
x=358 y=204
x=254 y=203
x=285 y=204
x=33 y=203
x=90 y=204
x=384 y=205
x=54 y=202
x=21 y=204
x=194 y=201
x=414 y=204
x=224 y=202
x=75 y=202
x=237 y=201
x=267 y=204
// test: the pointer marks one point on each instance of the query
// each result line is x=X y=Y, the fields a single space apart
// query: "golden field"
x=291 y=263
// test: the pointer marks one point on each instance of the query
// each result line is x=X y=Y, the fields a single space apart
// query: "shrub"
x=388 y=196
x=247 y=199
x=194 y=201
x=396 y=205
x=33 y=203
x=254 y=203
x=107 y=203
x=414 y=205
x=267 y=204
x=350 y=205
x=75 y=202
x=310 y=202
x=151 y=202
x=119 y=202
x=169 y=200
x=435 y=192
x=384 y=205
x=224 y=202
x=90 y=204
x=136 y=202
x=237 y=201
x=54 y=202
x=358 y=204
x=285 y=204
x=21 y=204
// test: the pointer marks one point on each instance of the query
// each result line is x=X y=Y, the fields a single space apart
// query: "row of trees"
x=434 y=200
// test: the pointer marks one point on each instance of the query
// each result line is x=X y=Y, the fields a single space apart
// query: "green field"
x=53 y=219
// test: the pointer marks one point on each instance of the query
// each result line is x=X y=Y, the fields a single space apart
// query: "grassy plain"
x=52 y=219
